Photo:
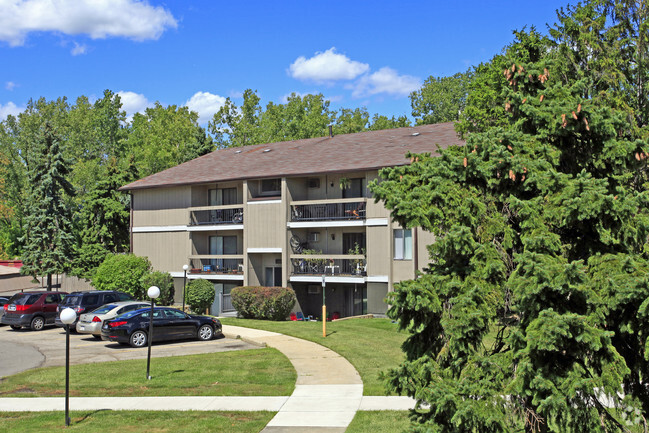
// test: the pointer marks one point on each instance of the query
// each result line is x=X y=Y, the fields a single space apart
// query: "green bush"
x=122 y=272
x=270 y=303
x=200 y=295
x=164 y=282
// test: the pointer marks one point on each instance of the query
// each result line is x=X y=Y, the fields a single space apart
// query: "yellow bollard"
x=324 y=320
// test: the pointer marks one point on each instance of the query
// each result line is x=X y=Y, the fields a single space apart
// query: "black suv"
x=84 y=302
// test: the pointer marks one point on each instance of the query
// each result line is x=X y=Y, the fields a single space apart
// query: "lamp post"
x=185 y=267
x=153 y=293
x=68 y=316
x=324 y=308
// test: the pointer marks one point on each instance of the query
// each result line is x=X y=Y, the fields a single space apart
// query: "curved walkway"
x=327 y=395
x=328 y=390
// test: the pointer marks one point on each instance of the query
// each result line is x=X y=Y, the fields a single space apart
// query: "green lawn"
x=371 y=345
x=253 y=372
x=135 y=421
x=391 y=421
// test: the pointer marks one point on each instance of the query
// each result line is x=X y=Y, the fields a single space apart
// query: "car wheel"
x=205 y=333
x=15 y=327
x=138 y=339
x=97 y=337
x=37 y=323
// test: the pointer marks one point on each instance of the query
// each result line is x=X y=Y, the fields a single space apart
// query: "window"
x=356 y=188
x=271 y=186
x=273 y=276
x=222 y=196
x=402 y=244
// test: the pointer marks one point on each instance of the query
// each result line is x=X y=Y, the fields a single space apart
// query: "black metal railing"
x=216 y=216
x=328 y=211
x=309 y=266
x=216 y=266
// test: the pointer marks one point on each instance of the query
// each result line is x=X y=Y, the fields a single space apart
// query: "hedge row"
x=270 y=303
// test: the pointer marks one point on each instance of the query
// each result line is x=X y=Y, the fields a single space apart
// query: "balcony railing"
x=309 y=264
x=343 y=210
x=213 y=265
x=216 y=216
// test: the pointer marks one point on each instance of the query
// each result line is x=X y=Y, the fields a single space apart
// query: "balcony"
x=216 y=215
x=325 y=210
x=328 y=264
x=216 y=264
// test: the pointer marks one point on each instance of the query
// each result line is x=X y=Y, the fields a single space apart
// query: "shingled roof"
x=342 y=153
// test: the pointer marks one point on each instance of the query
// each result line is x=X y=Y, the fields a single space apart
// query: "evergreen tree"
x=104 y=221
x=49 y=238
x=532 y=314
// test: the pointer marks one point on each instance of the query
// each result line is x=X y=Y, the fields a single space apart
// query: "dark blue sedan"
x=168 y=324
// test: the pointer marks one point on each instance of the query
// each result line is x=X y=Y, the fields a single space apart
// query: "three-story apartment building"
x=290 y=214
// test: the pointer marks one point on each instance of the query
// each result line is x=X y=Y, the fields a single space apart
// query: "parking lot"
x=25 y=349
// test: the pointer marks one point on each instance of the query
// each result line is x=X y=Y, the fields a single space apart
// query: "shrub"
x=165 y=283
x=270 y=303
x=200 y=295
x=122 y=272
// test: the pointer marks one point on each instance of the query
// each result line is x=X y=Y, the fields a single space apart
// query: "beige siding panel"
x=402 y=270
x=378 y=250
x=424 y=239
x=161 y=207
x=265 y=225
x=167 y=252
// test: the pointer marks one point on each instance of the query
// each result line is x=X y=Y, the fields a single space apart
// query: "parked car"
x=90 y=323
x=3 y=301
x=32 y=309
x=83 y=302
x=168 y=324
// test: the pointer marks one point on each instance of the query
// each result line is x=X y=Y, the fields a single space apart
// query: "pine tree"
x=49 y=238
x=533 y=312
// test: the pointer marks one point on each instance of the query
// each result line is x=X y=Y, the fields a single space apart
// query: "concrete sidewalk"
x=328 y=389
x=272 y=404
x=327 y=395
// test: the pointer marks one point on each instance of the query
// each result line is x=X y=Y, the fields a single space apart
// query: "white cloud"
x=327 y=66
x=206 y=105
x=10 y=108
x=98 y=19
x=385 y=80
x=133 y=103
x=10 y=85
x=79 y=49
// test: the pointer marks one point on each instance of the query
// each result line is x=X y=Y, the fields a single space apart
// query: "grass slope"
x=371 y=345
x=264 y=372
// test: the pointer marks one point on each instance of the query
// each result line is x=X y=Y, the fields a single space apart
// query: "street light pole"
x=324 y=308
x=153 y=293
x=185 y=267
x=68 y=316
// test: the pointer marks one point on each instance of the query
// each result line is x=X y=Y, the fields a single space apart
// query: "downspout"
x=130 y=226
x=415 y=247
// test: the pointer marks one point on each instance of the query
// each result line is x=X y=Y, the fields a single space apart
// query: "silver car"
x=90 y=323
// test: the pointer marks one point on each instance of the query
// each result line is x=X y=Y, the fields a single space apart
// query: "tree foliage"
x=532 y=314
x=440 y=99
x=49 y=235
x=164 y=137
x=123 y=272
x=163 y=281
x=200 y=295
x=300 y=117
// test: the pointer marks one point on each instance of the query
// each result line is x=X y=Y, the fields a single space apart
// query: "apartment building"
x=296 y=214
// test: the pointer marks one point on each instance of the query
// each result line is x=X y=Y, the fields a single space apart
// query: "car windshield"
x=129 y=314
x=104 y=309
x=24 y=299
x=71 y=300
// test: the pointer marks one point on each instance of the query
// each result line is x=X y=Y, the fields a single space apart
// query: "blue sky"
x=197 y=53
